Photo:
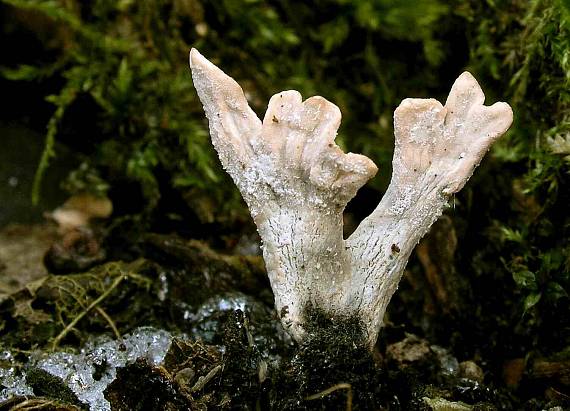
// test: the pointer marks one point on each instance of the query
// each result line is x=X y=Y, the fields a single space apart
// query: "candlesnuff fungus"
x=296 y=182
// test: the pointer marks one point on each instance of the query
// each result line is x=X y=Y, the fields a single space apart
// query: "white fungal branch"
x=437 y=148
x=296 y=182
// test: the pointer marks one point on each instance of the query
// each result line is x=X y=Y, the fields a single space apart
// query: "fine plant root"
x=90 y=307
x=330 y=390
x=110 y=321
x=99 y=310
x=39 y=404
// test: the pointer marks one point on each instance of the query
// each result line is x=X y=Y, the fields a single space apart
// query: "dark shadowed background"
x=97 y=97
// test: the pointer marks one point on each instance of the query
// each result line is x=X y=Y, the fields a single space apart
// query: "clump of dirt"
x=140 y=387
x=22 y=250
x=196 y=376
x=67 y=309
x=245 y=369
x=231 y=351
x=332 y=370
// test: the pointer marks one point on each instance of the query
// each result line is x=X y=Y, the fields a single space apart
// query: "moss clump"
x=331 y=369
x=122 y=82
x=140 y=386
x=522 y=47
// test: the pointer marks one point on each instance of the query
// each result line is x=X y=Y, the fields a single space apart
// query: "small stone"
x=448 y=363
x=470 y=370
x=185 y=376
x=79 y=209
x=513 y=371
x=441 y=404
x=410 y=349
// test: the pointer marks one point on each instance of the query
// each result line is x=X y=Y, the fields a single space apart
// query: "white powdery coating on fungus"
x=297 y=182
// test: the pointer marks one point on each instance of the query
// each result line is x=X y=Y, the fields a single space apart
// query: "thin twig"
x=340 y=386
x=110 y=322
x=202 y=381
x=33 y=404
x=84 y=312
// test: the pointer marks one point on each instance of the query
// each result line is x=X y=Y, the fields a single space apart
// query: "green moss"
x=129 y=61
x=125 y=103
x=524 y=46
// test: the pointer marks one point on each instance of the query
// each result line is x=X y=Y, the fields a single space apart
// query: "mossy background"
x=107 y=83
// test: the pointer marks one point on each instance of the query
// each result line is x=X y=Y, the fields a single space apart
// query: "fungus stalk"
x=296 y=182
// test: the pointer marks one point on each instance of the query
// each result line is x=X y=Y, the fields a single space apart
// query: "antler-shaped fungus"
x=296 y=182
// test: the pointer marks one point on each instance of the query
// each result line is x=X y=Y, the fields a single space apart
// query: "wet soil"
x=228 y=349
x=22 y=250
